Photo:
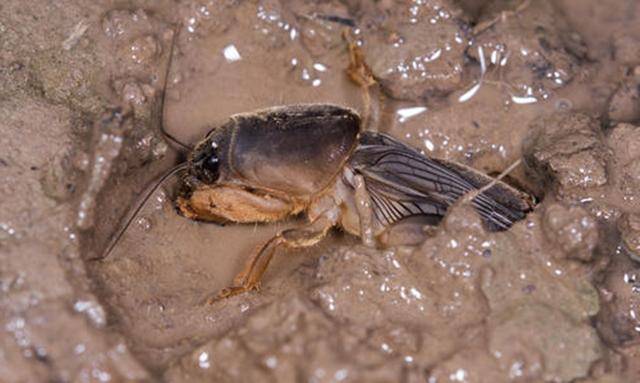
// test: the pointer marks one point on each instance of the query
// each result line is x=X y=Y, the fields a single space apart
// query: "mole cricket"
x=316 y=160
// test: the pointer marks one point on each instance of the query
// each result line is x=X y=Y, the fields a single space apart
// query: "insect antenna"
x=160 y=106
x=138 y=205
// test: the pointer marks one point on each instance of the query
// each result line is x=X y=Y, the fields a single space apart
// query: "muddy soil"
x=556 y=298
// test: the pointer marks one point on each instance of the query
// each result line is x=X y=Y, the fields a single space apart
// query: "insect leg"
x=249 y=278
x=359 y=72
x=410 y=231
x=365 y=211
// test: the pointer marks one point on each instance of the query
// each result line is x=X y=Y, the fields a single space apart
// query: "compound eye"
x=211 y=166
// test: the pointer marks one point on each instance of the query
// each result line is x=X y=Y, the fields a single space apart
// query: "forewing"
x=402 y=183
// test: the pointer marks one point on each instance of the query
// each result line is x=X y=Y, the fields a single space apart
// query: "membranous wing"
x=403 y=183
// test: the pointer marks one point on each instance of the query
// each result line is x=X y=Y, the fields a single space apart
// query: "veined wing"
x=402 y=183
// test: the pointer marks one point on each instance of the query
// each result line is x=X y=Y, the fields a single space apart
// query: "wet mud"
x=86 y=86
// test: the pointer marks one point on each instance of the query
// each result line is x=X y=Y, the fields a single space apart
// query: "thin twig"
x=471 y=195
x=501 y=17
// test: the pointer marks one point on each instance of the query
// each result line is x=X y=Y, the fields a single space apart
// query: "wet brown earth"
x=554 y=299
